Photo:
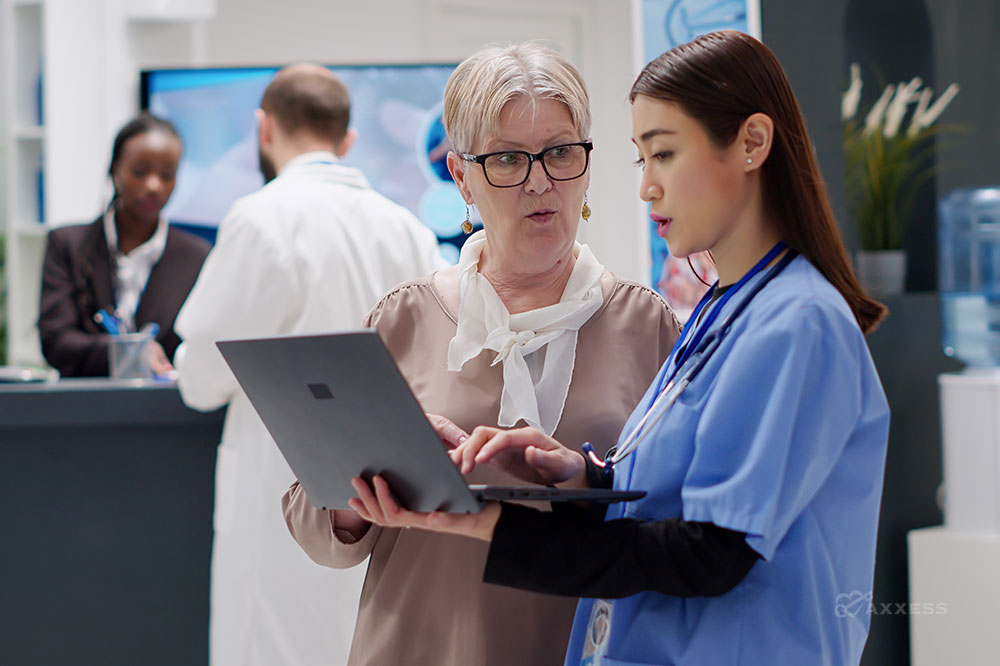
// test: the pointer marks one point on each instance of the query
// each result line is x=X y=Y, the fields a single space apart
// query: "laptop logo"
x=320 y=391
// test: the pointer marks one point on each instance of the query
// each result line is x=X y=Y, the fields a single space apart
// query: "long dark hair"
x=142 y=123
x=722 y=78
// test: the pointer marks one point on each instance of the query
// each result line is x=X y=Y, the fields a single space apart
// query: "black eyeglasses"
x=511 y=168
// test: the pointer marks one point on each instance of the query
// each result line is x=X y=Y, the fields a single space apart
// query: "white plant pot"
x=882 y=272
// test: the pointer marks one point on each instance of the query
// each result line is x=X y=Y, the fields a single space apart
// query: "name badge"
x=595 y=647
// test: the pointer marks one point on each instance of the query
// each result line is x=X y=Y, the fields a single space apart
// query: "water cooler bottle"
x=955 y=569
x=969 y=278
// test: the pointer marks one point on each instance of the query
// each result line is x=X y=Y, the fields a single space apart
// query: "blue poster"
x=665 y=24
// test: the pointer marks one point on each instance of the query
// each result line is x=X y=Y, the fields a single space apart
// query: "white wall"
x=596 y=35
x=93 y=51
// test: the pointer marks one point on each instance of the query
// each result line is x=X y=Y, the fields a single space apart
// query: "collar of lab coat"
x=329 y=164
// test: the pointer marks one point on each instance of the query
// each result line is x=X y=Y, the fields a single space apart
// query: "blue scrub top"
x=782 y=435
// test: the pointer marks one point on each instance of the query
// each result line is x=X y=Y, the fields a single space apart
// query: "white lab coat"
x=310 y=252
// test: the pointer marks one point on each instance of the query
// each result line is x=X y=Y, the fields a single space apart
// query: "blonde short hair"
x=484 y=82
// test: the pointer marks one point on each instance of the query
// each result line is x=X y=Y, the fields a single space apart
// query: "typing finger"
x=513 y=441
x=470 y=448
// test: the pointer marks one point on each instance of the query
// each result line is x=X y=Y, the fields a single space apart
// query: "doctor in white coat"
x=310 y=252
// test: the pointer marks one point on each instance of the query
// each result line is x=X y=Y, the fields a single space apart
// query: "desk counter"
x=106 y=496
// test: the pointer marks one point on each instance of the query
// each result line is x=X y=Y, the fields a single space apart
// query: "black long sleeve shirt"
x=574 y=552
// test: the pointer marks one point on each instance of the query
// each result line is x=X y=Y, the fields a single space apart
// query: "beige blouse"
x=423 y=600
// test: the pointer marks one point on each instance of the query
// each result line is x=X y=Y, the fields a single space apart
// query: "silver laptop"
x=338 y=408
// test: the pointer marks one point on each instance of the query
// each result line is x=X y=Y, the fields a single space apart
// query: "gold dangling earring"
x=585 y=213
x=467 y=225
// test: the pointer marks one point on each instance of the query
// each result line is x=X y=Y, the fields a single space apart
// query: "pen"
x=109 y=323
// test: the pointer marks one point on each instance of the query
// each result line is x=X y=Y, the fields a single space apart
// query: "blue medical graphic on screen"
x=665 y=24
x=396 y=110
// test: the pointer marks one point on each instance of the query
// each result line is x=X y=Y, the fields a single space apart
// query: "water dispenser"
x=969 y=282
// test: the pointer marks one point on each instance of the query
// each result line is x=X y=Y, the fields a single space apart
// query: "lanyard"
x=682 y=351
x=701 y=345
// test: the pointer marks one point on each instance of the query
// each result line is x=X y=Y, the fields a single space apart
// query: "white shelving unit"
x=69 y=80
x=23 y=43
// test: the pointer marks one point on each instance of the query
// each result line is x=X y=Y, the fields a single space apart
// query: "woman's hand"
x=157 y=358
x=451 y=435
x=354 y=524
x=376 y=504
x=526 y=453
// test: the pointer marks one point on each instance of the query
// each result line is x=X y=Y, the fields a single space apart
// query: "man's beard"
x=266 y=167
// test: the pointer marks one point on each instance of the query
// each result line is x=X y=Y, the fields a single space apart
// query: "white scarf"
x=537 y=347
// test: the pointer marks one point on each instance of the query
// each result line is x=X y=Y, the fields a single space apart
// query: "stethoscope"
x=700 y=347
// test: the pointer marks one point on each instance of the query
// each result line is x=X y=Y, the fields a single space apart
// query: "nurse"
x=761 y=443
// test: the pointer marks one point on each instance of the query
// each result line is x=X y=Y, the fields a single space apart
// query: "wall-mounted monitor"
x=396 y=110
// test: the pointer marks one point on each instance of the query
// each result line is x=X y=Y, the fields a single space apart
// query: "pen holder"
x=128 y=356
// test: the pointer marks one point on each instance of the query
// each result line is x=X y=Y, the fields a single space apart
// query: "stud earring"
x=749 y=161
x=585 y=213
x=467 y=225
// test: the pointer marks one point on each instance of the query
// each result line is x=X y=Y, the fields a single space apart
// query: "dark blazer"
x=77 y=282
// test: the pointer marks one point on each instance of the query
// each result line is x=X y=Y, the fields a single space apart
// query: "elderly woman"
x=528 y=328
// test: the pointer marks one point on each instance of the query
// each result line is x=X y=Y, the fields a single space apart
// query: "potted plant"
x=886 y=161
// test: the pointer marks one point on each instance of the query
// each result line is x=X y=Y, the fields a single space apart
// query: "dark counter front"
x=106 y=497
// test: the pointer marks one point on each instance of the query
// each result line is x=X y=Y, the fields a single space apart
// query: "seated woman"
x=528 y=328
x=129 y=262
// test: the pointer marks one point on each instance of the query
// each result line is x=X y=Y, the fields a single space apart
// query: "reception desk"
x=106 y=496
